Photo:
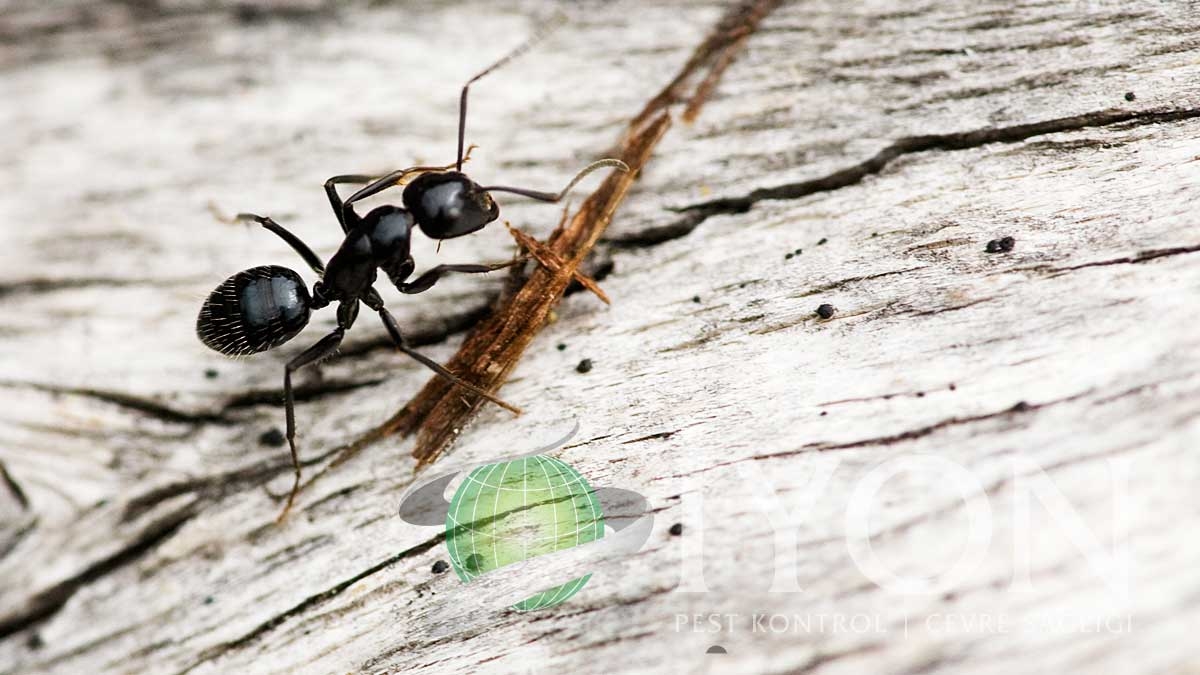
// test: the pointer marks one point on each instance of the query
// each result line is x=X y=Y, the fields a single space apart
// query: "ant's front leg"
x=430 y=277
x=335 y=201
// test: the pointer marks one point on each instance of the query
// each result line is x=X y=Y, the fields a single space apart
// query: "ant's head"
x=448 y=204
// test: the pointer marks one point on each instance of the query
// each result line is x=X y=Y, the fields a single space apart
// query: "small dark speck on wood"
x=1001 y=245
x=272 y=437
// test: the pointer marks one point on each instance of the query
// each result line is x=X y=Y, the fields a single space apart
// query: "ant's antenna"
x=554 y=197
x=398 y=177
x=545 y=29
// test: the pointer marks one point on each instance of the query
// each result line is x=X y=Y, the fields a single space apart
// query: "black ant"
x=264 y=307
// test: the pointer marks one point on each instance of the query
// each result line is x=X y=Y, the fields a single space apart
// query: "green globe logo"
x=507 y=512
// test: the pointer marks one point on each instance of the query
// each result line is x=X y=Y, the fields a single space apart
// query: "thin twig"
x=546 y=258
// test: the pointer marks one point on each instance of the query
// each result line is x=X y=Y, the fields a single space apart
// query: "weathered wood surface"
x=907 y=135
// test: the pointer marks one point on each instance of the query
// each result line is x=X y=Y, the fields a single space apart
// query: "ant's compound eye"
x=447 y=205
x=254 y=310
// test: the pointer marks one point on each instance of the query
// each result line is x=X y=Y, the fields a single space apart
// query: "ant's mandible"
x=264 y=307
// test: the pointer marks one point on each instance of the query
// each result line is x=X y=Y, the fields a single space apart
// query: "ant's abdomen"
x=254 y=310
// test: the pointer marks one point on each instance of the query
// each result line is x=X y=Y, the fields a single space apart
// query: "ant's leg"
x=335 y=201
x=429 y=278
x=537 y=37
x=324 y=348
x=373 y=301
x=313 y=260
x=557 y=196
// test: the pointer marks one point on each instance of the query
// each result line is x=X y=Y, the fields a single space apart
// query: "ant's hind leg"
x=430 y=277
x=325 y=347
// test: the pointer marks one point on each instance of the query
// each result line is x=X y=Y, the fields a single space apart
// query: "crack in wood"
x=695 y=214
x=144 y=15
x=1132 y=259
x=37 y=286
x=651 y=437
x=841 y=283
x=133 y=402
x=309 y=603
x=1019 y=408
x=13 y=537
x=996 y=486
x=378 y=660
x=1135 y=259
x=48 y=602
x=213 y=487
x=886 y=397
x=14 y=488
x=303 y=393
x=943 y=310
x=221 y=416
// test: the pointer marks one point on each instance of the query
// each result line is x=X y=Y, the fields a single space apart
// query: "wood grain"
x=861 y=155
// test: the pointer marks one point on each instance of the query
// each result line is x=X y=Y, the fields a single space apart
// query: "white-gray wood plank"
x=148 y=544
